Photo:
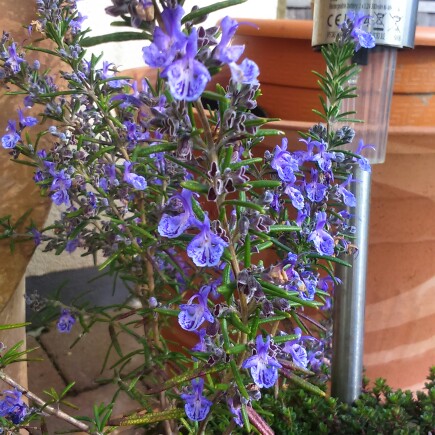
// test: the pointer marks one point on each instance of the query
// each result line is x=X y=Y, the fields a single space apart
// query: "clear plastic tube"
x=375 y=90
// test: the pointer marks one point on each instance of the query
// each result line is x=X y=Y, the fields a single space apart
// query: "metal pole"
x=349 y=302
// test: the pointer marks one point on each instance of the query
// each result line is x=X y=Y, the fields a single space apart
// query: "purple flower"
x=315 y=191
x=105 y=73
x=12 y=406
x=361 y=37
x=165 y=46
x=303 y=214
x=296 y=197
x=296 y=350
x=187 y=77
x=61 y=180
x=66 y=321
x=76 y=23
x=201 y=345
x=323 y=241
x=71 y=245
x=364 y=164
x=236 y=411
x=61 y=197
x=36 y=236
x=276 y=203
x=308 y=285
x=60 y=185
x=206 y=248
x=362 y=161
x=245 y=73
x=191 y=315
x=224 y=51
x=14 y=60
x=26 y=121
x=348 y=197
x=174 y=225
x=316 y=358
x=264 y=368
x=106 y=183
x=323 y=158
x=197 y=406
x=284 y=163
x=137 y=181
x=11 y=139
x=134 y=132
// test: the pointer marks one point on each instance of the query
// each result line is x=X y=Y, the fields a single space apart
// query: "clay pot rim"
x=303 y=29
x=393 y=130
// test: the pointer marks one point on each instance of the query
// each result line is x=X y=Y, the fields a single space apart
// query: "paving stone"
x=85 y=401
x=83 y=362
x=13 y=312
x=42 y=375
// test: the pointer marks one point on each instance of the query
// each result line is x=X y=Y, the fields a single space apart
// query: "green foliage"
x=379 y=410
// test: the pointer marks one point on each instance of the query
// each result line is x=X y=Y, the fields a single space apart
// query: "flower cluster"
x=12 y=406
x=177 y=202
x=185 y=59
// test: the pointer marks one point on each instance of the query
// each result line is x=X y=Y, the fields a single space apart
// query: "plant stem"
x=207 y=131
x=49 y=409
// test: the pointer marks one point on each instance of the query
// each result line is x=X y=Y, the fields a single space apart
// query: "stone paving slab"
x=42 y=375
x=85 y=401
x=83 y=362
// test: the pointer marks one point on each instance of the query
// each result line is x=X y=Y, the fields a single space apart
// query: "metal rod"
x=349 y=302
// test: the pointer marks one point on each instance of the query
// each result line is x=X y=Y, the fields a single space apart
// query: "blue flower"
x=61 y=180
x=61 y=197
x=111 y=181
x=245 y=73
x=201 y=345
x=307 y=289
x=236 y=411
x=135 y=133
x=26 y=121
x=66 y=321
x=296 y=350
x=11 y=139
x=76 y=24
x=197 y=406
x=303 y=214
x=296 y=197
x=224 y=51
x=187 y=77
x=137 y=181
x=323 y=157
x=191 y=315
x=174 y=225
x=12 y=406
x=284 y=163
x=361 y=37
x=363 y=163
x=166 y=46
x=14 y=60
x=71 y=245
x=348 y=197
x=301 y=357
x=36 y=236
x=206 y=248
x=105 y=73
x=323 y=241
x=60 y=185
x=264 y=368
x=316 y=192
